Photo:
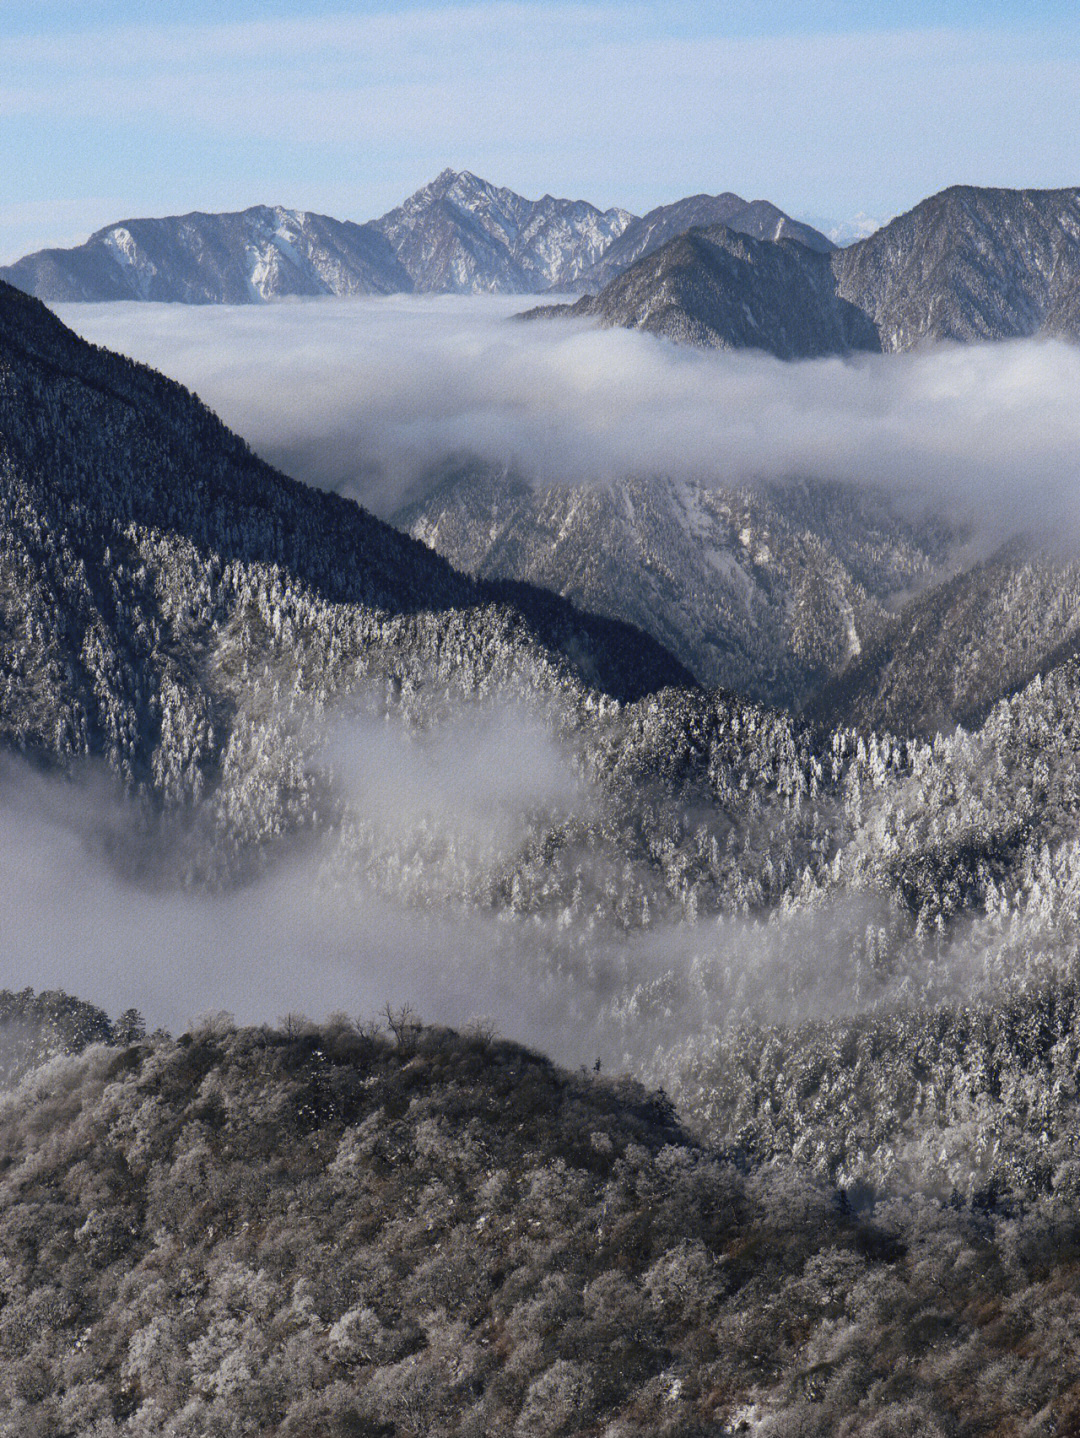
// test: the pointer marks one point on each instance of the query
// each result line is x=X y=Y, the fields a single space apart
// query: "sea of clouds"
x=368 y=395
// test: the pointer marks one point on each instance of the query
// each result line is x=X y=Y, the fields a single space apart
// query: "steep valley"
x=847 y=949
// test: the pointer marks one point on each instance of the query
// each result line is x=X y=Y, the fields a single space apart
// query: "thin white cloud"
x=342 y=925
x=365 y=915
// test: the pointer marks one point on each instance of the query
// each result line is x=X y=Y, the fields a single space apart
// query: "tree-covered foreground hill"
x=334 y=1230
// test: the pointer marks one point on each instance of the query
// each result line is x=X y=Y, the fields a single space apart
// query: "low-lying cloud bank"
x=367 y=395
x=311 y=935
x=314 y=936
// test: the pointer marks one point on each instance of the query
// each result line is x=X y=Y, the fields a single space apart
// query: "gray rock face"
x=765 y=593
x=256 y=254
x=462 y=235
x=757 y=218
x=970 y=264
x=722 y=290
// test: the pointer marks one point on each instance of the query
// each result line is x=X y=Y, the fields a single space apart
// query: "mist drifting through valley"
x=406 y=888
x=394 y=900
x=367 y=396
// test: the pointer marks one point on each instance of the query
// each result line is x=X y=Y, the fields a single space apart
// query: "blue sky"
x=114 y=109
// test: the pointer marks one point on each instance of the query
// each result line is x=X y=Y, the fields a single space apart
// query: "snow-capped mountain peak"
x=462 y=233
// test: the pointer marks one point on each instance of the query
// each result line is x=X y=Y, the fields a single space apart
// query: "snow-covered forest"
x=811 y=1164
x=325 y=1228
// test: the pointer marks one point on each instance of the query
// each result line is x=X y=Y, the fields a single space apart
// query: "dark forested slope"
x=135 y=531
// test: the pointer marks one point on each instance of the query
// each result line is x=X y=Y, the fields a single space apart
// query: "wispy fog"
x=367 y=395
x=403 y=897
x=310 y=936
x=471 y=779
x=388 y=901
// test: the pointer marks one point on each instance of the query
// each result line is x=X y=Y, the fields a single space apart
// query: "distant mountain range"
x=458 y=234
x=970 y=264
x=641 y=237
x=461 y=235
x=711 y=270
x=967 y=264
x=259 y=254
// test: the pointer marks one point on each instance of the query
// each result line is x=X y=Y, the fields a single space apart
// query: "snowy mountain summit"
x=965 y=265
x=461 y=234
